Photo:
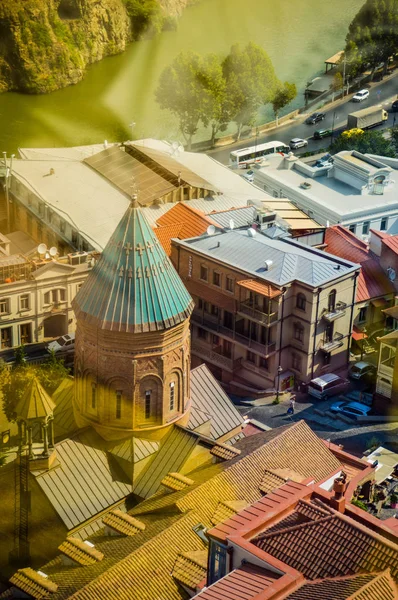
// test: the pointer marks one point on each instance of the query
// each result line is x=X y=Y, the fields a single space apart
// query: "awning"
x=358 y=335
x=335 y=59
x=391 y=312
x=379 y=302
x=265 y=289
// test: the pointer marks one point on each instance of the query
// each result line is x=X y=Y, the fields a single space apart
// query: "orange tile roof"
x=166 y=233
x=80 y=552
x=194 y=221
x=190 y=568
x=176 y=481
x=372 y=280
x=265 y=289
x=123 y=523
x=391 y=241
x=32 y=583
x=243 y=583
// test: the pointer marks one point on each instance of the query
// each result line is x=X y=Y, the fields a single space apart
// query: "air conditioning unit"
x=77 y=258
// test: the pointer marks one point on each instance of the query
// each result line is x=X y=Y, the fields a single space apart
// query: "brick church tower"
x=132 y=348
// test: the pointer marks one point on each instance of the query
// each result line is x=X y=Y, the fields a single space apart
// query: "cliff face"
x=47 y=44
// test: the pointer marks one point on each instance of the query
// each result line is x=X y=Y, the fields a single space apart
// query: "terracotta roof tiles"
x=123 y=523
x=226 y=509
x=224 y=451
x=357 y=587
x=194 y=222
x=190 y=568
x=80 y=552
x=391 y=241
x=176 y=481
x=265 y=289
x=32 y=583
x=243 y=583
x=166 y=234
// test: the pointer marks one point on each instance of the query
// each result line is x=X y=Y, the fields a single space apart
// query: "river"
x=297 y=34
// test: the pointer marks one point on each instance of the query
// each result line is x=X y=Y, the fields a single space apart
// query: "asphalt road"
x=380 y=94
x=35 y=351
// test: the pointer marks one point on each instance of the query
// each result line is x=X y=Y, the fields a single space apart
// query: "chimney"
x=339 y=487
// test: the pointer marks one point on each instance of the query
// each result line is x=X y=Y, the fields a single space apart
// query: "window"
x=172 y=390
x=298 y=332
x=55 y=296
x=332 y=301
x=384 y=224
x=362 y=314
x=228 y=319
x=216 y=340
x=251 y=357
x=4 y=306
x=296 y=362
x=29 y=224
x=365 y=228
x=216 y=279
x=148 y=394
x=218 y=561
x=62 y=226
x=118 y=404
x=301 y=301
x=227 y=349
x=39 y=229
x=75 y=237
x=78 y=286
x=202 y=333
x=41 y=209
x=329 y=330
x=263 y=363
x=6 y=337
x=326 y=358
x=352 y=228
x=214 y=310
x=203 y=272
x=200 y=303
x=93 y=396
x=24 y=333
x=24 y=302
x=229 y=284
x=206 y=306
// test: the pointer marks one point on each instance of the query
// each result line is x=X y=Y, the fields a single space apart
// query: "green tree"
x=217 y=106
x=144 y=14
x=394 y=138
x=251 y=82
x=337 y=84
x=371 y=142
x=282 y=97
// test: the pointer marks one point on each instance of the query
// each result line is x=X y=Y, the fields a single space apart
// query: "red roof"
x=194 y=222
x=391 y=241
x=166 y=234
x=244 y=583
x=372 y=587
x=372 y=281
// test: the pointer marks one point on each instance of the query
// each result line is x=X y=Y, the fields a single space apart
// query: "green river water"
x=297 y=34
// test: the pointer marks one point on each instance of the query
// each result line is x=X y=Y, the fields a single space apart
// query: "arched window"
x=172 y=395
x=119 y=404
x=301 y=301
x=93 y=396
x=332 y=301
x=148 y=397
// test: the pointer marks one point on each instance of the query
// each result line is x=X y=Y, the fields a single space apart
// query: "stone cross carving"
x=140 y=249
x=127 y=248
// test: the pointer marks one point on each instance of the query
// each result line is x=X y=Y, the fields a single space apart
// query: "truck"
x=367 y=118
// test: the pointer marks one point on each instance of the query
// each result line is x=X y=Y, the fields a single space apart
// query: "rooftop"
x=290 y=260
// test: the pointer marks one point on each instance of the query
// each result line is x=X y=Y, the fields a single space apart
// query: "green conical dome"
x=133 y=287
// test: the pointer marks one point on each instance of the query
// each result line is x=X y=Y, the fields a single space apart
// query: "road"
x=35 y=351
x=380 y=94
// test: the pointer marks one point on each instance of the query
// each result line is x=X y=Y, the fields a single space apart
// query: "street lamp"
x=363 y=341
x=334 y=118
x=132 y=125
x=278 y=382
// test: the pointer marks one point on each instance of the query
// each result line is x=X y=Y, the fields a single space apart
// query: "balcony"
x=253 y=312
x=214 y=356
x=331 y=314
x=208 y=323
x=328 y=345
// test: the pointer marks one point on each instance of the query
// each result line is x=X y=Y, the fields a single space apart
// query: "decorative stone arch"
x=118 y=400
x=149 y=390
x=89 y=393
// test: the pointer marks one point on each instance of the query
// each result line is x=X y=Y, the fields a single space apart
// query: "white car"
x=249 y=176
x=65 y=343
x=361 y=95
x=298 y=143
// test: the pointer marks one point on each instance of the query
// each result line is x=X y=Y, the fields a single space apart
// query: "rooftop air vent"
x=268 y=264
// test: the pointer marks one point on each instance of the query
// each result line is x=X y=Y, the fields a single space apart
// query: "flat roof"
x=335 y=59
x=290 y=260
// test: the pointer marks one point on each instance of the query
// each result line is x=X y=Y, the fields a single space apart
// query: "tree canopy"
x=283 y=96
x=371 y=142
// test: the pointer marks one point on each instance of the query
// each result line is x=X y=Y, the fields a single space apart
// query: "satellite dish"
x=42 y=249
x=53 y=251
x=211 y=230
x=251 y=232
x=391 y=274
x=231 y=224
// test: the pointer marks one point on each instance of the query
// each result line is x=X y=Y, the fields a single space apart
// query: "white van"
x=327 y=385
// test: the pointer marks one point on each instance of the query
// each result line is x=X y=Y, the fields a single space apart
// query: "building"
x=159 y=548
x=386 y=396
x=357 y=191
x=263 y=303
x=375 y=290
x=385 y=246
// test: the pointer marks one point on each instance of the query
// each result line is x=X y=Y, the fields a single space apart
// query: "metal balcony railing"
x=333 y=313
x=215 y=356
x=248 y=309
x=327 y=345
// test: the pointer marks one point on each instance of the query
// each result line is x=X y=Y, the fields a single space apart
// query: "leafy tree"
x=217 y=108
x=250 y=80
x=144 y=14
x=282 y=97
x=371 y=142
x=394 y=138
x=337 y=84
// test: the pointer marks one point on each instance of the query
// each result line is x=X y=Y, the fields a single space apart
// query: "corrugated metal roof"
x=290 y=259
x=134 y=448
x=64 y=420
x=85 y=483
x=208 y=397
x=241 y=217
x=133 y=287
x=35 y=403
x=173 y=452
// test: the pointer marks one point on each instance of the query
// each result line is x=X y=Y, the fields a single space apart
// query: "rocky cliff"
x=47 y=44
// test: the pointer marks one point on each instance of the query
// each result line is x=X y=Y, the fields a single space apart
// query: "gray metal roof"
x=209 y=399
x=240 y=216
x=290 y=260
x=85 y=483
x=173 y=452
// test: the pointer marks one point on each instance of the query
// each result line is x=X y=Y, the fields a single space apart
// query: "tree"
x=282 y=97
x=337 y=84
x=250 y=80
x=371 y=142
x=217 y=108
x=184 y=90
x=394 y=138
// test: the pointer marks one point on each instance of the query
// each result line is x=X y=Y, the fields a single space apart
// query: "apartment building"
x=36 y=296
x=268 y=312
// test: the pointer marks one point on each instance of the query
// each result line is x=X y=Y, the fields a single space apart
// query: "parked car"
x=394 y=106
x=327 y=385
x=315 y=117
x=322 y=133
x=325 y=160
x=65 y=343
x=298 y=143
x=351 y=409
x=361 y=95
x=249 y=176
x=362 y=371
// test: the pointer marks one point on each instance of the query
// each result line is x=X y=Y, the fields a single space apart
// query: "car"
x=351 y=409
x=327 y=385
x=361 y=95
x=362 y=371
x=298 y=143
x=322 y=133
x=249 y=176
x=394 y=106
x=326 y=160
x=315 y=117
x=65 y=343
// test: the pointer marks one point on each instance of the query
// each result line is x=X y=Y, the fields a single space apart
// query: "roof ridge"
x=265 y=536
x=376 y=576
